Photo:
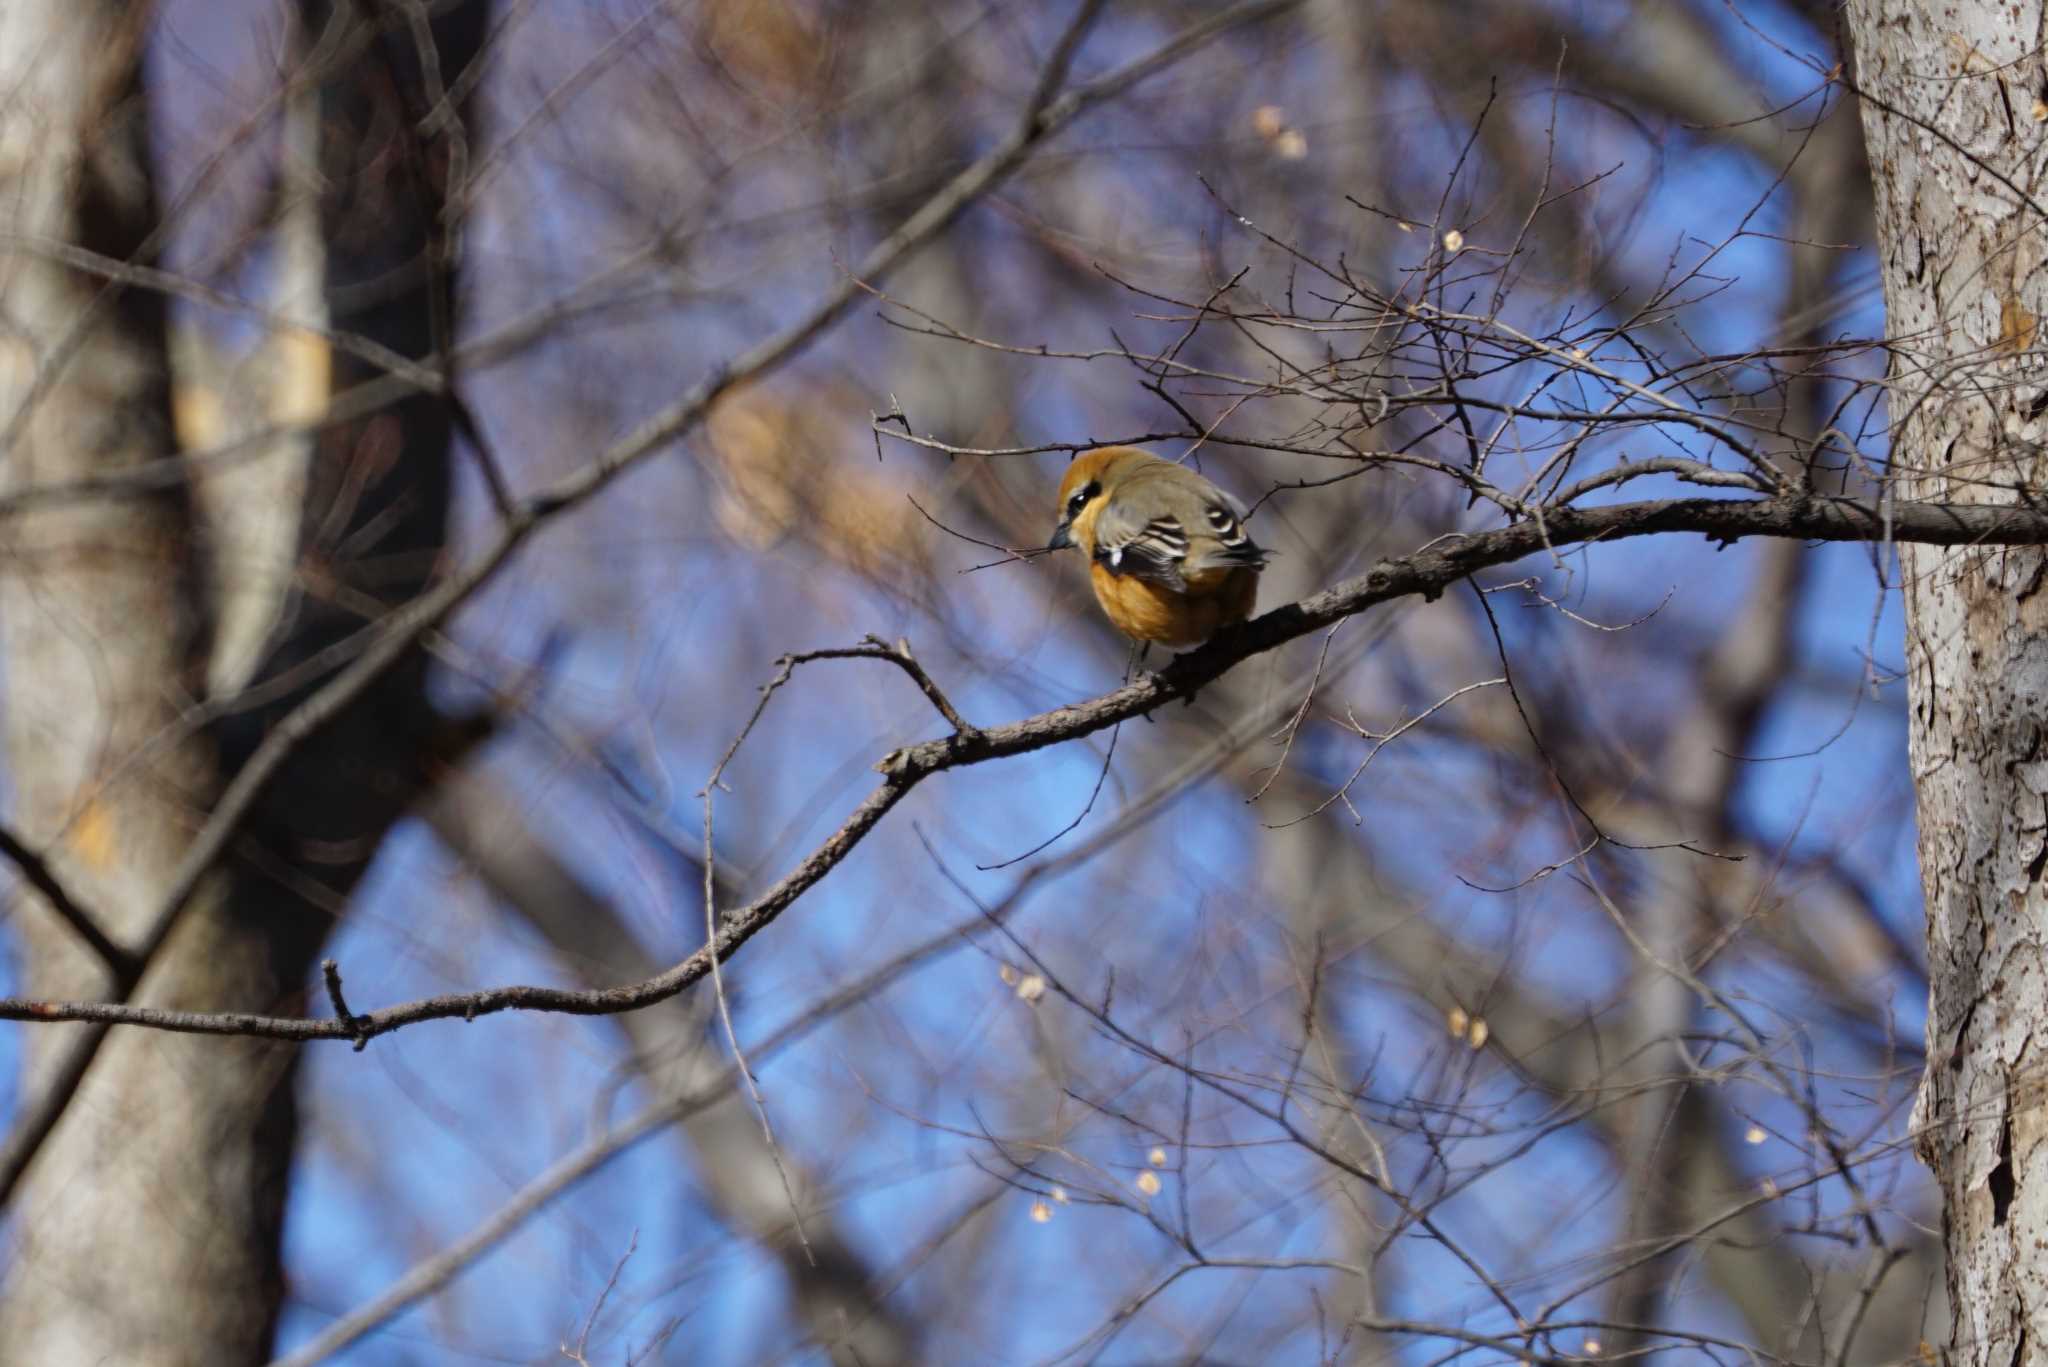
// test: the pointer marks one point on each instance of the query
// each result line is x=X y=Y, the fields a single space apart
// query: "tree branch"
x=387 y=642
x=36 y=872
x=1425 y=574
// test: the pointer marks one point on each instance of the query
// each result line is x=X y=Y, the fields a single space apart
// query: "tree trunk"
x=1952 y=117
x=148 y=1225
x=147 y=1228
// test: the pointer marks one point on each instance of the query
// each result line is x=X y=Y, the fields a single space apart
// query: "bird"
x=1168 y=555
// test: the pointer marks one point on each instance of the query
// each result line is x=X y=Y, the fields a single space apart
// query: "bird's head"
x=1091 y=478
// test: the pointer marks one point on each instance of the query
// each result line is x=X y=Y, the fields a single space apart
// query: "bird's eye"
x=1081 y=497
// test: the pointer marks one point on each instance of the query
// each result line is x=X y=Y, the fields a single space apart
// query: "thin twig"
x=1101 y=777
x=36 y=872
x=785 y=667
x=1380 y=742
x=330 y=973
x=581 y=1352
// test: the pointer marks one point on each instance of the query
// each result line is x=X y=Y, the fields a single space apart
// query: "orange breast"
x=1145 y=611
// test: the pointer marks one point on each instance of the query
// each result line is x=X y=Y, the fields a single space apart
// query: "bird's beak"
x=1060 y=539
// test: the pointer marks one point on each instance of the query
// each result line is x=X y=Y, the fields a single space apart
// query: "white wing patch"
x=1162 y=549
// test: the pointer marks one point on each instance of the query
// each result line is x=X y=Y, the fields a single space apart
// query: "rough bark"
x=1952 y=115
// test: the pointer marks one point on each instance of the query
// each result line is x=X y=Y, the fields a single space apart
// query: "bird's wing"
x=1153 y=548
x=1226 y=543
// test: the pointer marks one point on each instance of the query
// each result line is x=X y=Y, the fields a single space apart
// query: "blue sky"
x=658 y=626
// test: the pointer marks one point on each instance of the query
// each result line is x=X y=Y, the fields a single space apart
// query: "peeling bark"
x=1951 y=95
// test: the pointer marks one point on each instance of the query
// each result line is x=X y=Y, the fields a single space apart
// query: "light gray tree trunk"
x=146 y=1229
x=1954 y=118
